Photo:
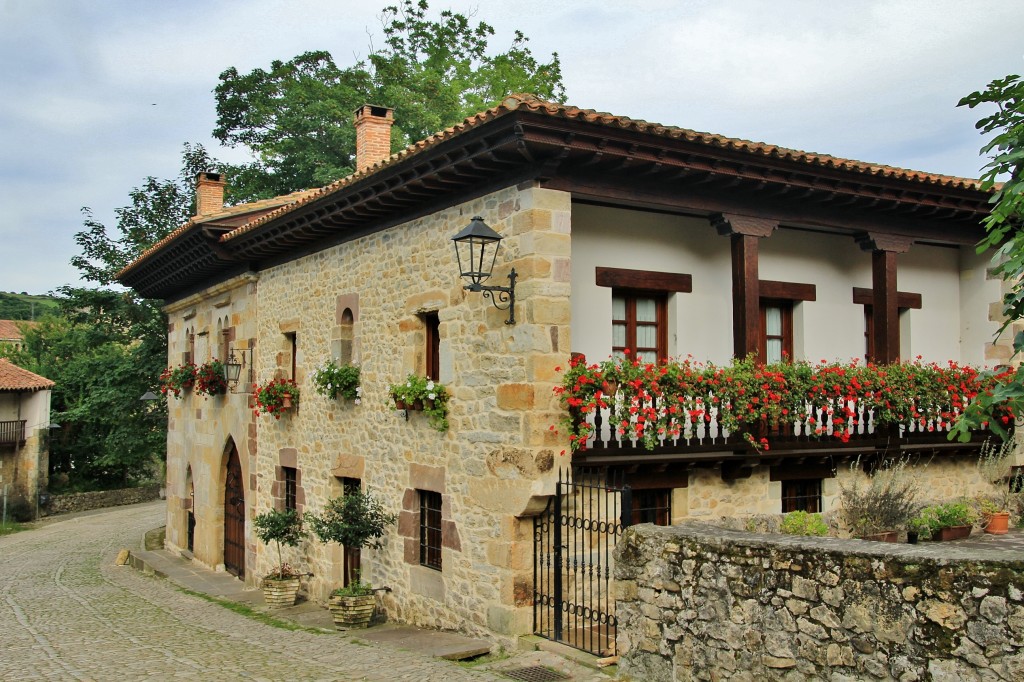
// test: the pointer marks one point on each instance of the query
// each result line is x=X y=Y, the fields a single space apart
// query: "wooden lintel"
x=643 y=279
x=904 y=299
x=731 y=224
x=789 y=291
x=734 y=471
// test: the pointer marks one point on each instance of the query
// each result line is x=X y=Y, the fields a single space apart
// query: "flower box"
x=953 y=533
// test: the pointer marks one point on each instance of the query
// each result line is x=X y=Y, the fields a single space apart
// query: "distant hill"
x=26 y=306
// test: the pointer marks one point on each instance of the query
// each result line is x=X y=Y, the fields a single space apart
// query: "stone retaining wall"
x=698 y=602
x=76 y=502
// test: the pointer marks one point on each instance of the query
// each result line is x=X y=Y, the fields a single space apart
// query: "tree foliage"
x=296 y=116
x=1005 y=233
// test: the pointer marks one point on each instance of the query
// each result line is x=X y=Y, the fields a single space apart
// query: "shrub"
x=946 y=515
x=885 y=504
x=356 y=519
x=802 y=523
x=355 y=588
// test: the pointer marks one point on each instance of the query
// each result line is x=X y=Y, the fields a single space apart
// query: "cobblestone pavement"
x=67 y=613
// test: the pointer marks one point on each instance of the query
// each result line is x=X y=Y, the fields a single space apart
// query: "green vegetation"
x=802 y=523
x=11 y=527
x=283 y=527
x=25 y=306
x=1005 y=237
x=249 y=612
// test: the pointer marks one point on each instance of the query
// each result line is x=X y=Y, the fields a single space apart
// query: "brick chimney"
x=373 y=135
x=209 y=193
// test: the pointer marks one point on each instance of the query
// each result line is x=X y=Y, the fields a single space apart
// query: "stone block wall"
x=99 y=499
x=201 y=429
x=497 y=460
x=698 y=602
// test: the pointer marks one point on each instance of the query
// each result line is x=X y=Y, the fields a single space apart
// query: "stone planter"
x=998 y=523
x=279 y=593
x=952 y=533
x=352 y=613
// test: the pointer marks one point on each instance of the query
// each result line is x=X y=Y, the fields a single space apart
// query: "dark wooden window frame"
x=782 y=295
x=430 y=529
x=290 y=488
x=652 y=505
x=802 y=494
x=660 y=324
x=631 y=284
x=432 y=345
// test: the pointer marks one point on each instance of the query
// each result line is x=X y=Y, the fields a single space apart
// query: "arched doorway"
x=234 y=516
x=190 y=519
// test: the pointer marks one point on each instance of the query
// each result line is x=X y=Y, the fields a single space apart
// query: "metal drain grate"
x=535 y=673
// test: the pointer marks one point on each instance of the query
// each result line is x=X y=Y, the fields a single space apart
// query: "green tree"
x=296 y=117
x=1004 y=234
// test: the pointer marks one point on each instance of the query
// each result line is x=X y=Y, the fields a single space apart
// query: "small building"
x=623 y=234
x=24 y=424
x=11 y=333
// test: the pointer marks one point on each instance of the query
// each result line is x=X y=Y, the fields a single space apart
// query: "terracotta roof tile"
x=537 y=105
x=228 y=212
x=14 y=378
x=11 y=329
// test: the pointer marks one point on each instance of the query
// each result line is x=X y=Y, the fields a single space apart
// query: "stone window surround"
x=432 y=479
x=287 y=458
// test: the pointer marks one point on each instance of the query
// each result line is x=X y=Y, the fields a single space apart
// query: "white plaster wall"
x=700 y=322
x=952 y=324
x=977 y=293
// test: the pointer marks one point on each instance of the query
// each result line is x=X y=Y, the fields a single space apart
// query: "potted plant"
x=210 y=378
x=877 y=511
x=276 y=396
x=177 y=379
x=421 y=393
x=285 y=528
x=918 y=528
x=332 y=380
x=354 y=520
x=995 y=467
x=352 y=606
x=950 y=521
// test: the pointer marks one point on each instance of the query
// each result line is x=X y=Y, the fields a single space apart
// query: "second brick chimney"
x=209 y=193
x=373 y=135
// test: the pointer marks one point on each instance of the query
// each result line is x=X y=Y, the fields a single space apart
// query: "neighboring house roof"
x=14 y=378
x=10 y=330
x=525 y=138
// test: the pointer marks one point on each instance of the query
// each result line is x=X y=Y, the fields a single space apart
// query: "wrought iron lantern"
x=235 y=363
x=476 y=249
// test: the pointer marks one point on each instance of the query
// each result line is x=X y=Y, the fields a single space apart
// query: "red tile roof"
x=11 y=329
x=14 y=378
x=534 y=104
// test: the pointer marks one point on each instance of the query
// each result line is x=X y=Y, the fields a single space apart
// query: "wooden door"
x=234 y=517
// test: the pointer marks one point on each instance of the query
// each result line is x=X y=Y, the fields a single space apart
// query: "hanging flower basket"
x=210 y=378
x=276 y=396
x=177 y=379
x=423 y=394
x=334 y=381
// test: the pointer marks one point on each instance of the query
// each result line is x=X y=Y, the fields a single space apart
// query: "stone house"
x=11 y=334
x=623 y=234
x=24 y=424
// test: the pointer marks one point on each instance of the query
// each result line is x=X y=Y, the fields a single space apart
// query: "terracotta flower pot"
x=953 y=533
x=998 y=523
x=286 y=401
x=399 y=403
x=887 y=536
x=352 y=612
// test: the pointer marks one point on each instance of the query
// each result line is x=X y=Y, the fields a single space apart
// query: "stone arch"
x=346 y=336
x=232 y=509
x=189 y=508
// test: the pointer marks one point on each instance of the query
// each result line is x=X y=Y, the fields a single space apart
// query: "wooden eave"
x=596 y=162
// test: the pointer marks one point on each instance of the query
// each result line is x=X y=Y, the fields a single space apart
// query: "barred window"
x=652 y=506
x=430 y=529
x=802 y=495
x=290 y=487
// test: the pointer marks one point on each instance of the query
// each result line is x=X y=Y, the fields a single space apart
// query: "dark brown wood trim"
x=885 y=313
x=904 y=299
x=643 y=280
x=789 y=291
x=746 y=297
x=801 y=472
x=755 y=226
x=878 y=241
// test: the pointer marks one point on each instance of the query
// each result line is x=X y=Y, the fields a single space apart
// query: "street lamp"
x=476 y=249
x=234 y=364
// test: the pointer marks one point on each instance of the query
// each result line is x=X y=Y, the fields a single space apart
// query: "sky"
x=96 y=96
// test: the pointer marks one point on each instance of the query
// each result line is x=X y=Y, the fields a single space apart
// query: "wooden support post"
x=746 y=297
x=885 y=311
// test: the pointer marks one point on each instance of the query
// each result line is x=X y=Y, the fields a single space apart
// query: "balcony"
x=622 y=413
x=12 y=433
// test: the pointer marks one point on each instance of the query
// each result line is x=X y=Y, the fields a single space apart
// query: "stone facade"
x=698 y=602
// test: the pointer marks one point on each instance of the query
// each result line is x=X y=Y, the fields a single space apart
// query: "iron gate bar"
x=573 y=543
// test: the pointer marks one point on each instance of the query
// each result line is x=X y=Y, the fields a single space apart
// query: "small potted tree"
x=355 y=520
x=285 y=528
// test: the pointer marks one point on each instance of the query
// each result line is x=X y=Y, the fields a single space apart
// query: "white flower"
x=358 y=401
x=430 y=385
x=359 y=390
x=432 y=396
x=409 y=384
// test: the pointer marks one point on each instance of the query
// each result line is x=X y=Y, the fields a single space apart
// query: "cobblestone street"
x=67 y=612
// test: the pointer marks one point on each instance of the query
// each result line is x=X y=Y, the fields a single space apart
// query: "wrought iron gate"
x=573 y=600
